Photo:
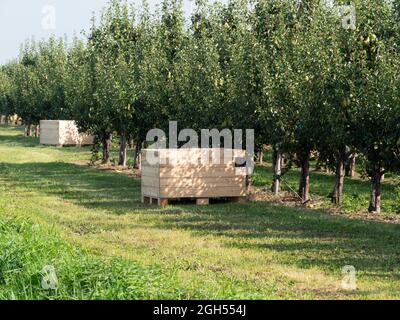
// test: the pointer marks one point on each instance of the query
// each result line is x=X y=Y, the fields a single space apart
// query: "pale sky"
x=22 y=19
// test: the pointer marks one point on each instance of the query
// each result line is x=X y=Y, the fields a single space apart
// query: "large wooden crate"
x=62 y=132
x=200 y=174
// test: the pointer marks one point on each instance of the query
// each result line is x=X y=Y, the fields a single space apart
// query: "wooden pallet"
x=199 y=201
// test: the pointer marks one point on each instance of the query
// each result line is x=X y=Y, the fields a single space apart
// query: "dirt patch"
x=285 y=198
x=289 y=199
x=365 y=215
x=128 y=171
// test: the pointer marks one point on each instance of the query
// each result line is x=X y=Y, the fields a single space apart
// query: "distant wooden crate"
x=13 y=119
x=200 y=174
x=62 y=132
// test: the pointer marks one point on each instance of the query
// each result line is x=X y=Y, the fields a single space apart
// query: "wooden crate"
x=199 y=174
x=62 y=132
x=11 y=119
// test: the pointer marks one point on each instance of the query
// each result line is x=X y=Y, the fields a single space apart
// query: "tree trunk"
x=122 y=149
x=304 y=185
x=277 y=166
x=28 y=130
x=37 y=131
x=136 y=161
x=260 y=157
x=375 y=197
x=340 y=173
x=351 y=166
x=106 y=142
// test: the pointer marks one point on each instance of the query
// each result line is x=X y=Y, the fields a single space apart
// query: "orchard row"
x=287 y=69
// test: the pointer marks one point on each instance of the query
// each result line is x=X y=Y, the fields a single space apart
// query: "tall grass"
x=26 y=248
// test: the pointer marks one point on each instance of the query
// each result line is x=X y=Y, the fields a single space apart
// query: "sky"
x=23 y=19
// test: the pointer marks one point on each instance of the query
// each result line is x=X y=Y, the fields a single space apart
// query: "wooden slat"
x=196 y=171
x=197 y=167
x=166 y=153
x=49 y=133
x=200 y=182
x=207 y=192
x=150 y=172
x=146 y=163
x=194 y=156
x=150 y=192
x=153 y=182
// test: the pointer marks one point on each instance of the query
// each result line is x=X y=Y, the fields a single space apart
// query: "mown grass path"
x=224 y=251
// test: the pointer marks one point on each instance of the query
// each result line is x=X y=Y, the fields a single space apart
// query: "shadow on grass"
x=356 y=191
x=13 y=136
x=300 y=237
x=79 y=184
x=295 y=237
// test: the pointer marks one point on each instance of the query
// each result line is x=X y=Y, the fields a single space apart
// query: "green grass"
x=27 y=248
x=356 y=190
x=104 y=243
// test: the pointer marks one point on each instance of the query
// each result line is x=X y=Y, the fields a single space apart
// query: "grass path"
x=252 y=250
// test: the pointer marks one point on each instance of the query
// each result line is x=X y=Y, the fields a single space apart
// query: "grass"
x=104 y=244
x=356 y=190
x=26 y=249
